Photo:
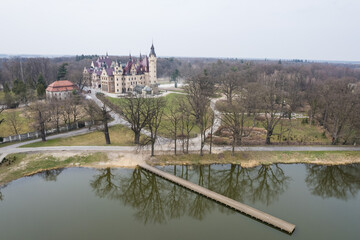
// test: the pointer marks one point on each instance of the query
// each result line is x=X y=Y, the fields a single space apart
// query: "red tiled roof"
x=61 y=86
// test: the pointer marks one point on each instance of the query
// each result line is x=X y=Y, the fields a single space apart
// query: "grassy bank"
x=119 y=136
x=21 y=164
x=251 y=159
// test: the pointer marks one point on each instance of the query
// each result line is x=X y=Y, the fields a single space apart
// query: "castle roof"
x=109 y=71
x=152 y=50
x=61 y=86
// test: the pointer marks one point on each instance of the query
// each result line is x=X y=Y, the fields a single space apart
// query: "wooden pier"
x=259 y=215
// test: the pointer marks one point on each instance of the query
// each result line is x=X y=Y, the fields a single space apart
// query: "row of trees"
x=56 y=113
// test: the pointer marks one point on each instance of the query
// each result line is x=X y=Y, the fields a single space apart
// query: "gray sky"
x=287 y=29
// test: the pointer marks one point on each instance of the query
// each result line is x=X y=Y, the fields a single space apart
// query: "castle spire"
x=152 y=50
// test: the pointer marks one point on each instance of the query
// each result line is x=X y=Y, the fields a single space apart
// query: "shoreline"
x=30 y=163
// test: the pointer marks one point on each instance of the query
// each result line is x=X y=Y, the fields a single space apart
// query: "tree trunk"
x=211 y=137
x=202 y=139
x=268 y=137
x=137 y=138
x=233 y=145
x=152 y=148
x=187 y=142
x=42 y=132
x=175 y=138
x=106 y=133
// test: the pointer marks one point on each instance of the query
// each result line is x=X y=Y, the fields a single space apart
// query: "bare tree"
x=187 y=124
x=272 y=100
x=175 y=118
x=105 y=118
x=212 y=122
x=92 y=111
x=132 y=109
x=154 y=111
x=40 y=113
x=253 y=101
x=75 y=102
x=56 y=111
x=76 y=76
x=313 y=97
x=199 y=90
x=343 y=101
x=230 y=83
x=12 y=118
x=233 y=118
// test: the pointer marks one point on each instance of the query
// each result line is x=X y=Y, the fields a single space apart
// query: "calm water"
x=323 y=202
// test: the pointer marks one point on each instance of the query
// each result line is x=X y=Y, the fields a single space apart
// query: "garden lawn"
x=119 y=136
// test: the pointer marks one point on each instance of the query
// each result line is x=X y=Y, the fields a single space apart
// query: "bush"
x=8 y=160
x=305 y=121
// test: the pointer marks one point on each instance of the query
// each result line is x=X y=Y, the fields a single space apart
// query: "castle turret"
x=152 y=66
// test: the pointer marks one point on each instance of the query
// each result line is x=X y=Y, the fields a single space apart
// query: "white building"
x=60 y=89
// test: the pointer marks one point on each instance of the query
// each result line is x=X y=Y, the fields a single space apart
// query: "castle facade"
x=115 y=77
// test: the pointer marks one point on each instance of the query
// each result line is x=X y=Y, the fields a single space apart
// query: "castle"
x=114 y=77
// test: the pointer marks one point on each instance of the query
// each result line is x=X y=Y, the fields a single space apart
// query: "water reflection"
x=104 y=184
x=50 y=175
x=342 y=181
x=157 y=200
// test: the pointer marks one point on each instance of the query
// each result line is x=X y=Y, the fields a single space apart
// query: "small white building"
x=60 y=89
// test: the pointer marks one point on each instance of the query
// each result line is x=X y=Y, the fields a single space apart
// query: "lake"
x=78 y=203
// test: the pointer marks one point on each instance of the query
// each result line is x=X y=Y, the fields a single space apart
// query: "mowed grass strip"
x=23 y=164
x=250 y=159
x=119 y=136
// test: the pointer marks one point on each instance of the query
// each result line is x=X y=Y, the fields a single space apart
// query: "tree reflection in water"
x=177 y=198
x=157 y=200
x=104 y=184
x=200 y=205
x=268 y=183
x=342 y=181
x=50 y=175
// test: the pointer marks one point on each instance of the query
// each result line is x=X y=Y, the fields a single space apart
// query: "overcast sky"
x=286 y=29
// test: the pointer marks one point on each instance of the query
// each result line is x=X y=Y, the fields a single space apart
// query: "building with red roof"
x=60 y=89
x=114 y=77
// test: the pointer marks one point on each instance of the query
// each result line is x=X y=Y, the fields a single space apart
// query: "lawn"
x=22 y=122
x=119 y=136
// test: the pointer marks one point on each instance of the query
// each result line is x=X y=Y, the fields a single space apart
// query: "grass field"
x=119 y=136
x=250 y=159
x=22 y=120
x=22 y=164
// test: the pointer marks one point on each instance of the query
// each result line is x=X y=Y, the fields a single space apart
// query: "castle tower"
x=152 y=66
